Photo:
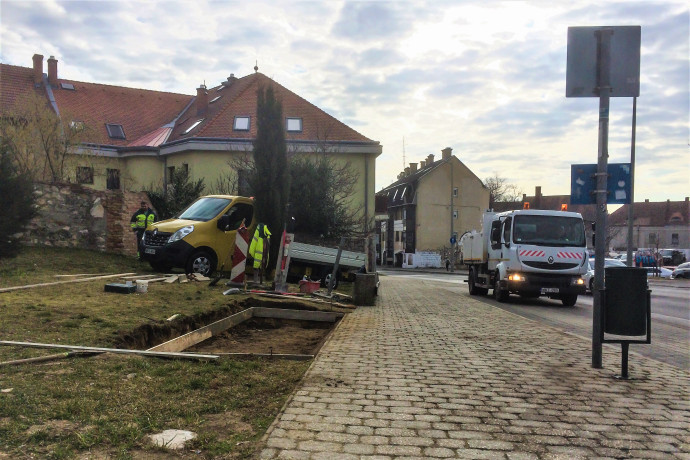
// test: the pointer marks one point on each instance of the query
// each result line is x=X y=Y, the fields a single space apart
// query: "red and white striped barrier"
x=239 y=257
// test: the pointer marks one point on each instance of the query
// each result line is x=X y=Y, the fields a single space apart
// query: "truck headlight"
x=516 y=277
x=181 y=233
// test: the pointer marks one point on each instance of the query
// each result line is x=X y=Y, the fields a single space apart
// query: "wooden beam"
x=292 y=357
x=81 y=280
x=151 y=353
x=80 y=274
x=281 y=313
x=199 y=335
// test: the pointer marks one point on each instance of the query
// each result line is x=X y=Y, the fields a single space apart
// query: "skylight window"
x=215 y=99
x=194 y=125
x=69 y=86
x=241 y=124
x=115 y=131
x=294 y=125
x=76 y=125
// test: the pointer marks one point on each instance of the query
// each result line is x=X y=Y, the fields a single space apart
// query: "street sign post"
x=602 y=62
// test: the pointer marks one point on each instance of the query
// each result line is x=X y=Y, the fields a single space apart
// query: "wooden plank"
x=155 y=280
x=305 y=315
x=199 y=335
x=138 y=277
x=80 y=274
x=171 y=279
x=38 y=359
x=80 y=280
x=152 y=353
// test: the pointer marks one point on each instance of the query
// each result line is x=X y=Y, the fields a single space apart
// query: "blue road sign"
x=583 y=183
x=452 y=239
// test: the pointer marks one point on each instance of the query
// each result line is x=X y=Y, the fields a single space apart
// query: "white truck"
x=530 y=253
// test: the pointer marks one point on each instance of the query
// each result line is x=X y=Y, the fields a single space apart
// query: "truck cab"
x=531 y=253
x=201 y=238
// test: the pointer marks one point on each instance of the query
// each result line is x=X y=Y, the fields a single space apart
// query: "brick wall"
x=74 y=216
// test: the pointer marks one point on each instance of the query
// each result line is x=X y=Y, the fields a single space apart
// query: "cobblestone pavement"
x=425 y=375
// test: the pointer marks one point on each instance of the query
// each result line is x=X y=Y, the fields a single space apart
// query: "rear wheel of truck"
x=201 y=262
x=471 y=283
x=327 y=279
x=569 y=300
x=500 y=294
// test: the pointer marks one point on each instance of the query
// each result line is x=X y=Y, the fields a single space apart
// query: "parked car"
x=672 y=256
x=589 y=276
x=659 y=272
x=681 y=271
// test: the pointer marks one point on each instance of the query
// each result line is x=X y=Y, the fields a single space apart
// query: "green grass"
x=108 y=403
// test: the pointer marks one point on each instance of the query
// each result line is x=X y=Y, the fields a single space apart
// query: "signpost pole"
x=632 y=185
x=604 y=89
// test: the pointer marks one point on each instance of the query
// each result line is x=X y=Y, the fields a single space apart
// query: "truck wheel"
x=470 y=283
x=327 y=280
x=569 y=300
x=201 y=262
x=499 y=294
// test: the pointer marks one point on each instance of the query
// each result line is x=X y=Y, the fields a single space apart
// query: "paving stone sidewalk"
x=425 y=375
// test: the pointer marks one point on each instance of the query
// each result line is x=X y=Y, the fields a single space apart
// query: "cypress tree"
x=17 y=206
x=271 y=179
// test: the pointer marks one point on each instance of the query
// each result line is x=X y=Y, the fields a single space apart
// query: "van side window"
x=238 y=213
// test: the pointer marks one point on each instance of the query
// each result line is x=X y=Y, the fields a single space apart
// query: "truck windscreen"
x=205 y=209
x=549 y=231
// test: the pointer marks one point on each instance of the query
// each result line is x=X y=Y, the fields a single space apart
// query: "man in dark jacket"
x=142 y=218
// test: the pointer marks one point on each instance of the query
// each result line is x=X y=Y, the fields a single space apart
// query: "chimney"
x=537 y=197
x=201 y=100
x=446 y=153
x=430 y=159
x=52 y=71
x=413 y=167
x=38 y=69
x=422 y=164
x=646 y=200
x=231 y=79
x=407 y=171
x=524 y=197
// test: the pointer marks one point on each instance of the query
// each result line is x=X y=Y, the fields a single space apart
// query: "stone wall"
x=70 y=215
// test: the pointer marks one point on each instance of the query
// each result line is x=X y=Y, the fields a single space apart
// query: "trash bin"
x=364 y=292
x=625 y=306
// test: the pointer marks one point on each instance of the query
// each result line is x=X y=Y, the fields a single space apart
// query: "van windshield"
x=205 y=209
x=549 y=230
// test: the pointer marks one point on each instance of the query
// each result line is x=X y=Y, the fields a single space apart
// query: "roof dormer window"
x=76 y=125
x=215 y=99
x=68 y=86
x=194 y=125
x=293 y=125
x=115 y=131
x=241 y=124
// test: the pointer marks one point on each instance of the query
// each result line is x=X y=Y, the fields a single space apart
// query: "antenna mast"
x=404 y=153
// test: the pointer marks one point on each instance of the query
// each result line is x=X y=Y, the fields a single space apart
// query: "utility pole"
x=452 y=245
x=631 y=213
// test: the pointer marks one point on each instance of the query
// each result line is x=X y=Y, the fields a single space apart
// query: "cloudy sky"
x=484 y=77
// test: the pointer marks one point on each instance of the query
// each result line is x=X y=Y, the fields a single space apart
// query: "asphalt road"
x=670 y=313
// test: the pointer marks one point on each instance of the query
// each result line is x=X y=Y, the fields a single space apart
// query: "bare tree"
x=501 y=190
x=41 y=141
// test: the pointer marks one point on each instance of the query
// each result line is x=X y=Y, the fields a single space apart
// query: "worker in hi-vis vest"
x=259 y=248
x=142 y=218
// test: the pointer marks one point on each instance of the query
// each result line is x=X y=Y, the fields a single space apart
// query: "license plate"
x=150 y=251
x=549 y=290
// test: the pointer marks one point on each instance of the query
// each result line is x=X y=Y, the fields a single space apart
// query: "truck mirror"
x=224 y=223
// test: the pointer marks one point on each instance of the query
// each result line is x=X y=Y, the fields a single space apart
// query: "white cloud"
x=484 y=77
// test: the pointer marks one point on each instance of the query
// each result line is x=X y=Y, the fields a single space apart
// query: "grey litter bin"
x=625 y=306
x=364 y=292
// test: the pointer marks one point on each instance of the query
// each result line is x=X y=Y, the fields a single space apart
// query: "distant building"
x=414 y=213
x=139 y=137
x=661 y=224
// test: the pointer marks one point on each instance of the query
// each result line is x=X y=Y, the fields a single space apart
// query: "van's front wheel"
x=201 y=262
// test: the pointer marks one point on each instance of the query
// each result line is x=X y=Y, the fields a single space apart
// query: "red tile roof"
x=139 y=111
x=654 y=214
x=15 y=83
x=239 y=99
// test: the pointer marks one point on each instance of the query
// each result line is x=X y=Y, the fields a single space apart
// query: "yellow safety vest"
x=256 y=248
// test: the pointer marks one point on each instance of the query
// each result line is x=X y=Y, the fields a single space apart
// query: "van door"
x=225 y=240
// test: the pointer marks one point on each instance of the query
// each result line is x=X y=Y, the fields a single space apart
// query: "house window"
x=404 y=215
x=115 y=131
x=194 y=125
x=68 y=86
x=76 y=125
x=397 y=236
x=113 y=179
x=171 y=172
x=674 y=239
x=185 y=168
x=84 y=175
x=294 y=125
x=241 y=124
x=652 y=239
x=455 y=192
